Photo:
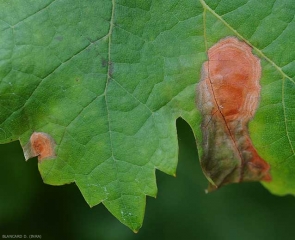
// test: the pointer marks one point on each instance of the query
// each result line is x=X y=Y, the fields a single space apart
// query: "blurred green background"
x=182 y=210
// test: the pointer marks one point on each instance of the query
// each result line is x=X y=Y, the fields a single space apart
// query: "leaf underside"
x=108 y=79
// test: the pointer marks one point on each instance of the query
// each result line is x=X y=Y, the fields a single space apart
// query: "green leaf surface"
x=108 y=79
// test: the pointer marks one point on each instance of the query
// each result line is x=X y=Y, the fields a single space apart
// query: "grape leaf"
x=106 y=80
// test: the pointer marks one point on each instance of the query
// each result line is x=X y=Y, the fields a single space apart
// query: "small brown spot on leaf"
x=111 y=69
x=228 y=96
x=59 y=38
x=41 y=145
x=104 y=62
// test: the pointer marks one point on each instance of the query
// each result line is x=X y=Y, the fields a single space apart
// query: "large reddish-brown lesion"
x=41 y=145
x=228 y=96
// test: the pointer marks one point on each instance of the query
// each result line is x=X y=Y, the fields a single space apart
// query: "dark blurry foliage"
x=182 y=210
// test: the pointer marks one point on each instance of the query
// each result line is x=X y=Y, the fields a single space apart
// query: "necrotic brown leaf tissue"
x=228 y=96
